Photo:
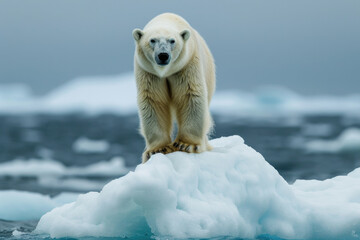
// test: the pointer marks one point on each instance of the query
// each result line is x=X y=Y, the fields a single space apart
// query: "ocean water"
x=281 y=140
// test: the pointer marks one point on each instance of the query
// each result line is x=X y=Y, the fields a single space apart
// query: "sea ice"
x=48 y=167
x=229 y=191
x=348 y=141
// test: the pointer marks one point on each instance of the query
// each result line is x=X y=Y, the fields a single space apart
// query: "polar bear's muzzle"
x=162 y=58
x=162 y=52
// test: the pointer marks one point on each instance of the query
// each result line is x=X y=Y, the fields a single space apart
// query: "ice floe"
x=347 y=141
x=230 y=191
x=48 y=167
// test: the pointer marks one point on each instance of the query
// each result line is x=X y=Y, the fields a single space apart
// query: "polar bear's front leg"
x=193 y=116
x=155 y=116
x=193 y=122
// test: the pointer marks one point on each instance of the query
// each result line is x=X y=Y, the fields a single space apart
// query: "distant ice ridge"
x=230 y=191
x=48 y=167
x=91 y=95
x=117 y=94
x=20 y=205
x=348 y=141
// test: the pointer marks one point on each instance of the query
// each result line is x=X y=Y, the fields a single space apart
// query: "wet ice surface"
x=281 y=140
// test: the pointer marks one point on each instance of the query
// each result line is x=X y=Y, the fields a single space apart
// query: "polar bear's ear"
x=185 y=34
x=137 y=34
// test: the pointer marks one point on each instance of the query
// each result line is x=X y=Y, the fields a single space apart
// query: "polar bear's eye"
x=152 y=40
x=172 y=41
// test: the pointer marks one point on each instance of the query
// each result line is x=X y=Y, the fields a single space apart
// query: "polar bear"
x=175 y=78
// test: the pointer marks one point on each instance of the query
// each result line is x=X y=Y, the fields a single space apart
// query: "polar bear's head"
x=161 y=46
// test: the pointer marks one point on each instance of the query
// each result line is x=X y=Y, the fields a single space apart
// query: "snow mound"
x=230 y=191
x=20 y=205
x=47 y=167
x=348 y=141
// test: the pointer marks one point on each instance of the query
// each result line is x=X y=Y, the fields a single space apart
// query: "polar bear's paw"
x=186 y=147
x=164 y=150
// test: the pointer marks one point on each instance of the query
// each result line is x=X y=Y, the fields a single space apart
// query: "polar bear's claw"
x=164 y=150
x=186 y=147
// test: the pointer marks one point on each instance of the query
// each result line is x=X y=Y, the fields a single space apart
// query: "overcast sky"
x=311 y=47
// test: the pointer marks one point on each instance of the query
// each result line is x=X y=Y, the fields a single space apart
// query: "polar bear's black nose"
x=163 y=57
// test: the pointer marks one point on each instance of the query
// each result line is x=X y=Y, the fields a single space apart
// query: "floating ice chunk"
x=348 y=141
x=19 y=205
x=86 y=145
x=47 y=167
x=17 y=233
x=230 y=191
x=31 y=167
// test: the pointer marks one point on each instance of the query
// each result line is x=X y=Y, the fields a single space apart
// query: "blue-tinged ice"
x=231 y=191
x=20 y=205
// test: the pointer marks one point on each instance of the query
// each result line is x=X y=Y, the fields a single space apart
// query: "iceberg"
x=230 y=191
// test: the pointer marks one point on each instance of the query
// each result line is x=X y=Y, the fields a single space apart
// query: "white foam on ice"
x=230 y=191
x=86 y=145
x=347 y=141
x=117 y=94
x=20 y=205
x=47 y=167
